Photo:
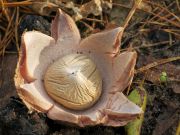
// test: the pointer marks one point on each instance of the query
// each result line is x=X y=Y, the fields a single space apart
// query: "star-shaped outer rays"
x=38 y=51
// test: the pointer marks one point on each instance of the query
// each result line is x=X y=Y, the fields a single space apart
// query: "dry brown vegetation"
x=153 y=31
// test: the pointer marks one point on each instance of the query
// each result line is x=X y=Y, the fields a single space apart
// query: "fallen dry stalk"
x=8 y=35
x=16 y=28
x=5 y=10
x=162 y=16
x=159 y=13
x=131 y=13
x=164 y=9
x=16 y=4
x=156 y=63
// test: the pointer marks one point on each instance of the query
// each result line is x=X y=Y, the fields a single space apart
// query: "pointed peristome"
x=63 y=28
x=107 y=42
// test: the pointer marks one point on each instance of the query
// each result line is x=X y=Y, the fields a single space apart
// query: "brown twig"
x=87 y=25
x=93 y=19
x=177 y=3
x=172 y=32
x=154 y=22
x=16 y=28
x=131 y=13
x=164 y=9
x=150 y=45
x=154 y=14
x=157 y=63
x=8 y=35
x=4 y=10
x=177 y=24
x=17 y=4
x=159 y=13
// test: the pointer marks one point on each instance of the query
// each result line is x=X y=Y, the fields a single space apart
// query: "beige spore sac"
x=73 y=81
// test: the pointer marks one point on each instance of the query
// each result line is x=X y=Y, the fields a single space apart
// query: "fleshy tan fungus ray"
x=97 y=43
x=123 y=71
x=32 y=44
x=35 y=95
x=39 y=51
x=66 y=32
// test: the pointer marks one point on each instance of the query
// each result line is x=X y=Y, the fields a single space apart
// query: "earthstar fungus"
x=73 y=80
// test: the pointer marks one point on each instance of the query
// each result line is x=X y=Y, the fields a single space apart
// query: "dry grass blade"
x=129 y=16
x=158 y=14
x=87 y=25
x=177 y=3
x=16 y=28
x=177 y=24
x=167 y=43
x=167 y=15
x=93 y=19
x=156 y=63
x=172 y=31
x=131 y=13
x=164 y=18
x=15 y=4
x=154 y=22
x=2 y=28
x=6 y=41
x=8 y=36
x=9 y=27
x=26 y=10
x=164 y=9
x=4 y=10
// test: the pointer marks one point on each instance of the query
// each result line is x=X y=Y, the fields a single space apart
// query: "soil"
x=162 y=112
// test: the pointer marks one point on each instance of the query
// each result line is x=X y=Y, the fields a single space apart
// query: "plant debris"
x=153 y=32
